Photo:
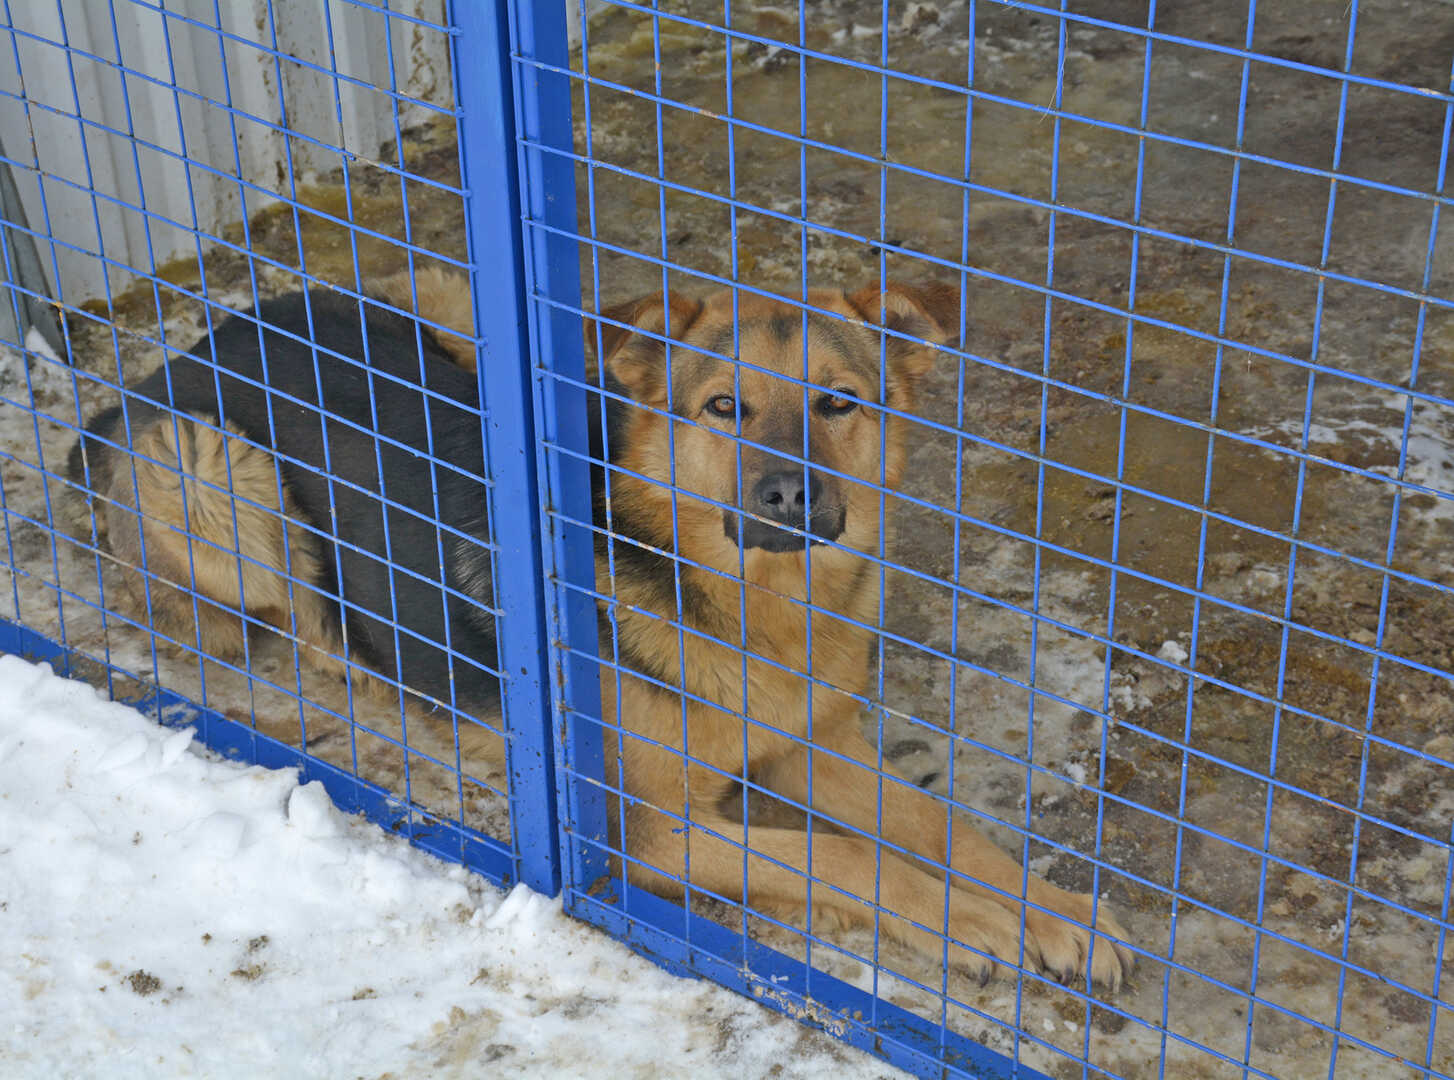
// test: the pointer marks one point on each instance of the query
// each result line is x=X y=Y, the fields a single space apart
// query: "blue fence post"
x=552 y=258
x=485 y=98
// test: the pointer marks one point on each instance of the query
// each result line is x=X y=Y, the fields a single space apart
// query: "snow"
x=1428 y=455
x=1173 y=651
x=164 y=912
x=35 y=342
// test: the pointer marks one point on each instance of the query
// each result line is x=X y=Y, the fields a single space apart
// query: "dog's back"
x=399 y=411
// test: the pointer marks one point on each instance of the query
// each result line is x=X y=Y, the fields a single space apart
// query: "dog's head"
x=767 y=421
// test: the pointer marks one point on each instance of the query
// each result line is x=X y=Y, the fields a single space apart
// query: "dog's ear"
x=921 y=311
x=637 y=360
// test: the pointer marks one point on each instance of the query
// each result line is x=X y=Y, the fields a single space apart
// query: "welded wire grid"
x=215 y=157
x=1178 y=628
x=1190 y=436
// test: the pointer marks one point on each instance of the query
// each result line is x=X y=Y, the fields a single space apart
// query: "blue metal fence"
x=1168 y=609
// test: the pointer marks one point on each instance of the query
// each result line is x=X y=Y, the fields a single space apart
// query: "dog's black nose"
x=782 y=501
x=782 y=496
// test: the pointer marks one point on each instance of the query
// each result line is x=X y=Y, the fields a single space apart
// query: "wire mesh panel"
x=1020 y=446
x=258 y=480
x=973 y=478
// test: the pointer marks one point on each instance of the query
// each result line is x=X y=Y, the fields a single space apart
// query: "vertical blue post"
x=552 y=256
x=485 y=98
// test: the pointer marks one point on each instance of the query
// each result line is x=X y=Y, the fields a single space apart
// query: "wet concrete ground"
x=1254 y=540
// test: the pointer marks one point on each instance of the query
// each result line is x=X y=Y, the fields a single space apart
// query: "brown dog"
x=764 y=621
x=733 y=525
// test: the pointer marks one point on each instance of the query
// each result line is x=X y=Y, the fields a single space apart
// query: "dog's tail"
x=88 y=468
x=443 y=298
x=87 y=454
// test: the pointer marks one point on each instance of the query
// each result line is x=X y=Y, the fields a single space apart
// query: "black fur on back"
x=427 y=458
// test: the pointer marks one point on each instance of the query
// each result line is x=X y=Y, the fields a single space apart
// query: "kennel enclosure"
x=1167 y=606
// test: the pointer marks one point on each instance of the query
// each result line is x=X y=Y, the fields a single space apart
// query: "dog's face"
x=786 y=448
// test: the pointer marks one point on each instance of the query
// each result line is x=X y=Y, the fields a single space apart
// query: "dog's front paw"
x=1064 y=946
x=986 y=939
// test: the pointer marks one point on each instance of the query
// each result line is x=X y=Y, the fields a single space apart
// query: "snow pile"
x=167 y=913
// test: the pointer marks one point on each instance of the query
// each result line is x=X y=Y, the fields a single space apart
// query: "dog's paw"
x=985 y=940
x=1064 y=946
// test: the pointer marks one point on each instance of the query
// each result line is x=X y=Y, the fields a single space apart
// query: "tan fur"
x=800 y=677
x=185 y=533
x=443 y=298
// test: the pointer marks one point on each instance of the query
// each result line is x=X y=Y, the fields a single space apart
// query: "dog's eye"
x=723 y=405
x=836 y=405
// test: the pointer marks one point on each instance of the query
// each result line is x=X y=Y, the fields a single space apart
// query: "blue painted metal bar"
x=690 y=944
x=552 y=257
x=484 y=90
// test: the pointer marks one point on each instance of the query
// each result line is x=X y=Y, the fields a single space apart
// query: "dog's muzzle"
x=780 y=502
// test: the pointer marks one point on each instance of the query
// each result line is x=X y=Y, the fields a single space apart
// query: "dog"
x=220 y=496
x=738 y=517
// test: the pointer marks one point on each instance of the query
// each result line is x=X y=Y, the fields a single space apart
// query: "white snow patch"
x=35 y=341
x=1429 y=455
x=168 y=913
x=854 y=31
x=1173 y=651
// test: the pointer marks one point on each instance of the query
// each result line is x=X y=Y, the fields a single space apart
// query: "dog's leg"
x=204 y=515
x=848 y=875
x=916 y=821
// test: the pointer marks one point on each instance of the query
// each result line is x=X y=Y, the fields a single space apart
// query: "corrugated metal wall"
x=328 y=72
